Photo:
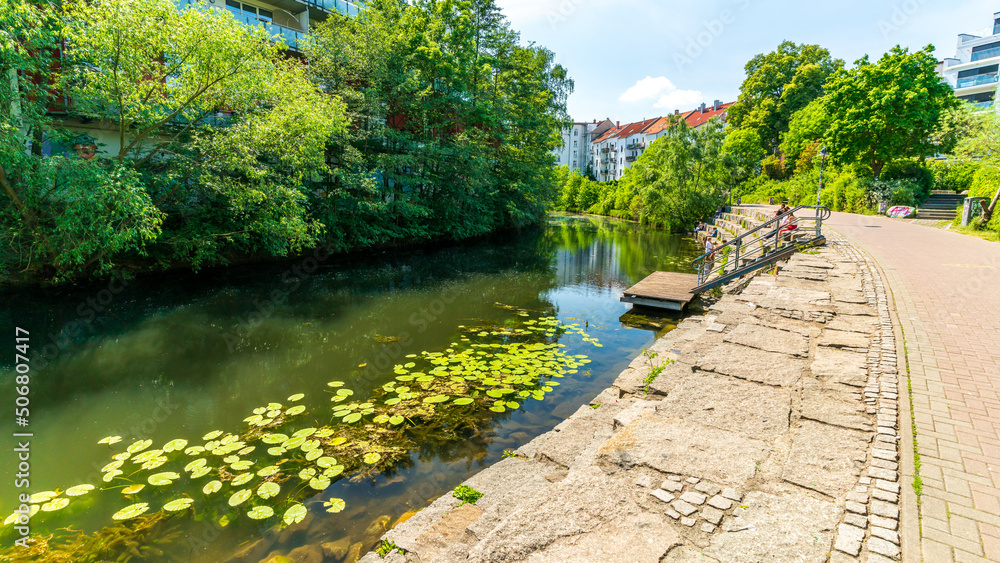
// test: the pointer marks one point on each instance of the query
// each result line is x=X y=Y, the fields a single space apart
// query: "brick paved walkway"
x=946 y=289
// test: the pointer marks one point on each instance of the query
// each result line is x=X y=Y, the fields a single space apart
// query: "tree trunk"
x=988 y=211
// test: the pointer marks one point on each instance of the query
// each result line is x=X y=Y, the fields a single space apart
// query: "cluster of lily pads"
x=266 y=469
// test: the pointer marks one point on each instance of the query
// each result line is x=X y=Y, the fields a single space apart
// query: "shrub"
x=953 y=175
x=985 y=184
x=915 y=172
x=773 y=167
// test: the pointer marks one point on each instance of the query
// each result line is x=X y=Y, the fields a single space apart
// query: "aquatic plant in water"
x=265 y=471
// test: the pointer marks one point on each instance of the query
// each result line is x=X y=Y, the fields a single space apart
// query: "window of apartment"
x=991 y=69
x=243 y=9
x=576 y=144
x=576 y=133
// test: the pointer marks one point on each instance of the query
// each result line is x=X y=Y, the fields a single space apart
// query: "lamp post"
x=822 y=160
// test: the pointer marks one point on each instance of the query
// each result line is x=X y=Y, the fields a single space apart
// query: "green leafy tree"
x=887 y=110
x=681 y=177
x=744 y=152
x=777 y=85
x=806 y=133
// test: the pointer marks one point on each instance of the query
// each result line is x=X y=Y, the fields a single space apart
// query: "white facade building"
x=577 y=142
x=973 y=71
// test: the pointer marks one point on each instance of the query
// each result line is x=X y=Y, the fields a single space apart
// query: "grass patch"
x=467 y=495
x=385 y=547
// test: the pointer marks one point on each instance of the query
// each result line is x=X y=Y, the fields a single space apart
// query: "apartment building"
x=973 y=71
x=614 y=151
x=576 y=144
x=286 y=20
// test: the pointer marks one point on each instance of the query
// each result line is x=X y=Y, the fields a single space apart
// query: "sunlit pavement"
x=946 y=289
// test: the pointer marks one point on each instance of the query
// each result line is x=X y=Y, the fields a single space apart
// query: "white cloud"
x=679 y=99
x=648 y=89
x=663 y=91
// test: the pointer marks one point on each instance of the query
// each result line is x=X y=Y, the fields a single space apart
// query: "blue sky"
x=635 y=59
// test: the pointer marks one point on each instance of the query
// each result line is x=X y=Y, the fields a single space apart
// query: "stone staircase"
x=941 y=206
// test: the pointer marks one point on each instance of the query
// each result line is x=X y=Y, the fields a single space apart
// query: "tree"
x=744 y=153
x=886 y=111
x=777 y=85
x=806 y=132
x=680 y=178
x=981 y=140
x=179 y=180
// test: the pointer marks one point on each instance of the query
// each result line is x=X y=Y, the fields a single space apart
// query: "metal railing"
x=760 y=246
x=985 y=54
x=977 y=80
x=349 y=8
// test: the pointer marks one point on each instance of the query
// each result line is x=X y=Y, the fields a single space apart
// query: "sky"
x=636 y=59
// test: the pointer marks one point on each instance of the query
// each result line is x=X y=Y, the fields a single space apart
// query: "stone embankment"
x=765 y=430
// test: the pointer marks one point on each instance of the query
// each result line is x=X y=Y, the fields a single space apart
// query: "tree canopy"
x=777 y=85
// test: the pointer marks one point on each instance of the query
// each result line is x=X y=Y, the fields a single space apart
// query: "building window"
x=241 y=9
x=576 y=133
x=576 y=144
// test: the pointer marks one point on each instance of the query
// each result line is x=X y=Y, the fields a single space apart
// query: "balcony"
x=636 y=147
x=987 y=54
x=979 y=80
x=604 y=171
x=981 y=105
x=604 y=150
x=349 y=8
x=631 y=158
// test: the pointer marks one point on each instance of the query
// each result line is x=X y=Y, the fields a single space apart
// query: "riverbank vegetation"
x=406 y=123
x=893 y=131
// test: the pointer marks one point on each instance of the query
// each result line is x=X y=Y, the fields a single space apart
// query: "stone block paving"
x=946 y=292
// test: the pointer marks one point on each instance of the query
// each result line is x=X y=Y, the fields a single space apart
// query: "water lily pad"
x=131 y=511
x=512 y=405
x=194 y=450
x=268 y=471
x=133 y=489
x=335 y=505
x=497 y=408
x=110 y=475
x=338 y=441
x=381 y=419
x=437 y=399
x=56 y=504
x=122 y=456
x=372 y=458
x=295 y=514
x=178 y=505
x=396 y=420
x=273 y=438
x=495 y=393
x=200 y=462
x=276 y=451
x=336 y=384
x=175 y=445
x=309 y=445
x=319 y=483
x=110 y=440
x=268 y=490
x=242 y=479
x=325 y=462
x=201 y=472
x=242 y=465
x=162 y=479
x=139 y=446
x=44 y=496
x=79 y=490
x=212 y=435
x=464 y=401
x=240 y=497
x=324 y=433
x=260 y=512
x=296 y=410
x=345 y=392
x=293 y=443
x=296 y=397
x=313 y=454
x=332 y=472
x=307 y=473
x=212 y=487
x=352 y=418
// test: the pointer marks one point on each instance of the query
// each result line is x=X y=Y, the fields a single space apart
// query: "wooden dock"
x=663 y=290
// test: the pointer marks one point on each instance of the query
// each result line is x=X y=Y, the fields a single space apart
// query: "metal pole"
x=819 y=193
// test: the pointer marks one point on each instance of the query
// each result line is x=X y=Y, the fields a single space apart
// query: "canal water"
x=179 y=356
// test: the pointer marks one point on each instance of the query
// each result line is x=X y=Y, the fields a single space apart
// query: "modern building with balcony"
x=286 y=20
x=973 y=71
x=575 y=151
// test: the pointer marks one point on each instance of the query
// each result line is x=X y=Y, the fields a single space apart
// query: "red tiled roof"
x=626 y=130
x=658 y=126
x=608 y=134
x=697 y=119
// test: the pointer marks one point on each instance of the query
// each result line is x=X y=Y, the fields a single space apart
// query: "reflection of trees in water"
x=612 y=253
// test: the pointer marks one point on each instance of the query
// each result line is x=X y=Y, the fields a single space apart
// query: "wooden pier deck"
x=663 y=290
